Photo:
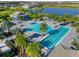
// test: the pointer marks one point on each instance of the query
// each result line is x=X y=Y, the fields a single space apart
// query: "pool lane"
x=51 y=41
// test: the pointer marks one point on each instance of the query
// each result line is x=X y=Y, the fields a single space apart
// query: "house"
x=15 y=15
x=25 y=6
x=25 y=16
x=9 y=5
x=30 y=5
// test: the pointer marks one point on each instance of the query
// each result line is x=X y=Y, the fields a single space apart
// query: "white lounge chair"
x=45 y=51
x=56 y=27
x=4 y=49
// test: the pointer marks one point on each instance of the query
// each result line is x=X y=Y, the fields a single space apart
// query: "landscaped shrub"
x=75 y=44
x=77 y=29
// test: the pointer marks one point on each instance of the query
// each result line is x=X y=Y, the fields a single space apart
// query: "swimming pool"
x=36 y=28
x=52 y=39
x=54 y=36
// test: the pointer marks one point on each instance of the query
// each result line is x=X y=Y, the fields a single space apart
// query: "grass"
x=6 y=12
x=60 y=6
x=9 y=10
x=13 y=9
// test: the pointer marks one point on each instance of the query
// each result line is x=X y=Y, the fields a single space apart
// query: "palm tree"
x=21 y=43
x=33 y=50
x=43 y=27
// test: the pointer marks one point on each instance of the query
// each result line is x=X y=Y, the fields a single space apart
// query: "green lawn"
x=52 y=6
x=9 y=10
x=6 y=12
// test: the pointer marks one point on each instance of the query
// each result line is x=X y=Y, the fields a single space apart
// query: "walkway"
x=60 y=52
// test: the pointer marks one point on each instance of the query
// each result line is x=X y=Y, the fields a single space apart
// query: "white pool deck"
x=60 y=52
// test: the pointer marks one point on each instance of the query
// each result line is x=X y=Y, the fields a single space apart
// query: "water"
x=36 y=28
x=59 y=11
x=51 y=41
x=54 y=35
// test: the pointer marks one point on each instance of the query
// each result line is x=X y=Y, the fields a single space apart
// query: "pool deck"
x=60 y=52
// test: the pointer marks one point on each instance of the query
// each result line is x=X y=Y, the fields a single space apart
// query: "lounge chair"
x=4 y=49
x=45 y=51
x=56 y=27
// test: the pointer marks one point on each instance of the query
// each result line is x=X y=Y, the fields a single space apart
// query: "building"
x=15 y=15
x=25 y=6
x=25 y=16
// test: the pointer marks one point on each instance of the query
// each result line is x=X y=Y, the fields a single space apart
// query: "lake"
x=59 y=11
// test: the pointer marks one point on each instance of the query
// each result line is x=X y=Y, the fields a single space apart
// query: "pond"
x=59 y=11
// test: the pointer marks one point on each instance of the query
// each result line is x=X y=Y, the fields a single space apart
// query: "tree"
x=23 y=10
x=21 y=43
x=33 y=50
x=43 y=27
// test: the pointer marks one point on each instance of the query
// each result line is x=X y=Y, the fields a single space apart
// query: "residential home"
x=25 y=6
x=17 y=14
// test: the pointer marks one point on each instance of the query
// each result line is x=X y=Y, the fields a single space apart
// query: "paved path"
x=60 y=52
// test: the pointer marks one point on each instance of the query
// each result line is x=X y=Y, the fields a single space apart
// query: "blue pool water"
x=54 y=35
x=36 y=28
x=51 y=40
x=59 y=11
